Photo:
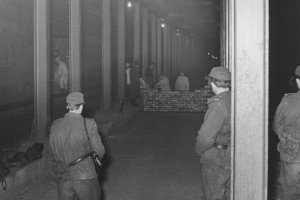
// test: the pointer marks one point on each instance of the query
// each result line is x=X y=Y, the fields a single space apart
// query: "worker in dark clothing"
x=70 y=140
x=213 y=139
x=134 y=89
x=149 y=74
x=286 y=125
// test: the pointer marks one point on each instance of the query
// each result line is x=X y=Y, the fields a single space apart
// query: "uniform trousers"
x=86 y=189
x=290 y=180
x=216 y=182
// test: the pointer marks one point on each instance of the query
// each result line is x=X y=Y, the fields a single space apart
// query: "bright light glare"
x=129 y=4
x=163 y=25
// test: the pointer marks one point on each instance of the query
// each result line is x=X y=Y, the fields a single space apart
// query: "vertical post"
x=41 y=66
x=165 y=50
x=229 y=34
x=250 y=74
x=174 y=70
x=145 y=46
x=180 y=52
x=121 y=49
x=154 y=43
x=223 y=33
x=169 y=50
x=184 y=53
x=188 y=53
x=75 y=46
x=159 y=47
x=137 y=32
x=176 y=53
x=106 y=54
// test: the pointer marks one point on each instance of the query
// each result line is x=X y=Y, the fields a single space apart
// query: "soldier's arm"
x=95 y=139
x=209 y=130
x=279 y=118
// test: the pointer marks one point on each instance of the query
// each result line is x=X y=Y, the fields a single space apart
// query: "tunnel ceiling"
x=199 y=19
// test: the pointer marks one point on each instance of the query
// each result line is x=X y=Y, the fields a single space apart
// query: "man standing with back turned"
x=213 y=139
x=287 y=127
x=71 y=138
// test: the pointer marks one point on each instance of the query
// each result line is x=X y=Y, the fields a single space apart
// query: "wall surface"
x=16 y=52
x=176 y=101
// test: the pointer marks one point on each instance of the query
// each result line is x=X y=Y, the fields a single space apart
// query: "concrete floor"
x=150 y=157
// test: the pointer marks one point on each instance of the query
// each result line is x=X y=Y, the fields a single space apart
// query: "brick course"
x=195 y=101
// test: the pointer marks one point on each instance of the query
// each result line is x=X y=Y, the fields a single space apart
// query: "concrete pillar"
x=169 y=50
x=159 y=48
x=106 y=54
x=184 y=53
x=176 y=46
x=165 y=50
x=250 y=76
x=154 y=43
x=174 y=56
x=145 y=45
x=75 y=46
x=41 y=67
x=137 y=33
x=179 y=52
x=121 y=49
x=229 y=35
x=223 y=33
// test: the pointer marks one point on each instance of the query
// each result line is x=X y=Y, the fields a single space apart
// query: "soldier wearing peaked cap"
x=71 y=139
x=286 y=125
x=213 y=139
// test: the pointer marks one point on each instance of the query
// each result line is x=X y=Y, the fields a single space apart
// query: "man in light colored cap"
x=71 y=139
x=74 y=100
x=286 y=125
x=213 y=139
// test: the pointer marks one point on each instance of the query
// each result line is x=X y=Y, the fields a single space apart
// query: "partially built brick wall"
x=195 y=101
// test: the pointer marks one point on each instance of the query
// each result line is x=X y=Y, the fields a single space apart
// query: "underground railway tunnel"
x=149 y=150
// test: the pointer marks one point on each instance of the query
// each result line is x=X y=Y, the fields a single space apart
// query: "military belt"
x=220 y=146
x=78 y=160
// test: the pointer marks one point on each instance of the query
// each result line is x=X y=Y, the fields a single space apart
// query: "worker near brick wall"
x=182 y=83
x=163 y=84
x=213 y=139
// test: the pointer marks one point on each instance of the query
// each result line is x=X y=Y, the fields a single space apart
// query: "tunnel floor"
x=150 y=157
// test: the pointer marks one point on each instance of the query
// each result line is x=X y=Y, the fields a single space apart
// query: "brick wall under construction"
x=192 y=101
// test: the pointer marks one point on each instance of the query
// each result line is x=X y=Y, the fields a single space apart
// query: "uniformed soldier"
x=213 y=139
x=286 y=125
x=70 y=141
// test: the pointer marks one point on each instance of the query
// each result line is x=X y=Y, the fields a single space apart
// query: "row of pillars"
x=170 y=51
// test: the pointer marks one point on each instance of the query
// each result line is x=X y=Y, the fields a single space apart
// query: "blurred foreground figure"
x=182 y=83
x=72 y=139
x=286 y=125
x=213 y=139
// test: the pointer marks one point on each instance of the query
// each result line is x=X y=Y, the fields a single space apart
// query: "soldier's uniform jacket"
x=215 y=130
x=68 y=141
x=286 y=125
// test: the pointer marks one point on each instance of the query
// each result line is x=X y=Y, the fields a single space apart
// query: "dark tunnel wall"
x=16 y=52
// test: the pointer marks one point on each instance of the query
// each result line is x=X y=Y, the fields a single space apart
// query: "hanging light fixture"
x=129 y=4
x=162 y=23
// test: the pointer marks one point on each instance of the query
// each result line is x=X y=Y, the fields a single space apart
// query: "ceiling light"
x=163 y=25
x=129 y=4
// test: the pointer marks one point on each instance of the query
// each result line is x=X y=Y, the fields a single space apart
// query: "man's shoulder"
x=289 y=97
x=57 y=122
x=90 y=121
